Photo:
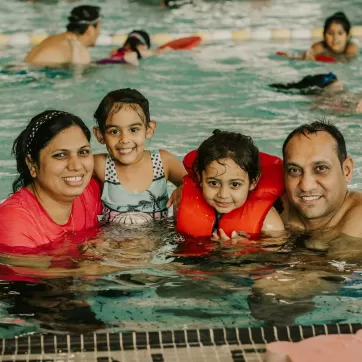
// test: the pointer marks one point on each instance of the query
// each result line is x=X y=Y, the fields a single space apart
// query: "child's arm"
x=174 y=169
x=99 y=166
x=131 y=58
x=316 y=49
x=272 y=222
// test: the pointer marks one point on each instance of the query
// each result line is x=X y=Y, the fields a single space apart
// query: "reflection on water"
x=129 y=279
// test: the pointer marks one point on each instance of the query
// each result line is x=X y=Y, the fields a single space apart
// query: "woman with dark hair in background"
x=54 y=196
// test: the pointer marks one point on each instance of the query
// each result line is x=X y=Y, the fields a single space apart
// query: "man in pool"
x=317 y=170
x=71 y=46
x=316 y=173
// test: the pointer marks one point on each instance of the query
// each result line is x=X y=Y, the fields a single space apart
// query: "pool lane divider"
x=207 y=36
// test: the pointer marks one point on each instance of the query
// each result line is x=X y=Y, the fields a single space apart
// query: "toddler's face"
x=225 y=186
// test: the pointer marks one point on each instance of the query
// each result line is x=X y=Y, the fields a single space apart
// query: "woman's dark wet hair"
x=82 y=17
x=136 y=38
x=38 y=133
x=339 y=18
x=236 y=146
x=308 y=85
x=114 y=101
x=320 y=126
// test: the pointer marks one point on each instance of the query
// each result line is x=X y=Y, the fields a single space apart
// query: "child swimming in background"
x=234 y=189
x=311 y=84
x=134 y=179
x=136 y=47
x=328 y=88
x=337 y=39
x=337 y=44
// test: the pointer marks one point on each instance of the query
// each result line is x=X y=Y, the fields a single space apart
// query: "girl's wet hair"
x=114 y=101
x=308 y=83
x=38 y=133
x=82 y=17
x=339 y=18
x=136 y=38
x=235 y=146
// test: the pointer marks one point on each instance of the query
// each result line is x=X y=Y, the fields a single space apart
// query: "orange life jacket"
x=197 y=218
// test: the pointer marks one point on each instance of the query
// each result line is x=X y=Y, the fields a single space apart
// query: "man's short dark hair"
x=82 y=17
x=321 y=126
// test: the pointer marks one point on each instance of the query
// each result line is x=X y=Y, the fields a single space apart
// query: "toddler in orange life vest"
x=231 y=189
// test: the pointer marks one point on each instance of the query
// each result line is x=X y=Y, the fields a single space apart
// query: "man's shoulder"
x=354 y=200
x=350 y=222
x=53 y=47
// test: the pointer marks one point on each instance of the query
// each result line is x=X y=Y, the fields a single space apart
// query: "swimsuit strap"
x=110 y=172
x=158 y=171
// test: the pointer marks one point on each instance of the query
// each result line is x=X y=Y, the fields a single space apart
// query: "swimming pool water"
x=218 y=85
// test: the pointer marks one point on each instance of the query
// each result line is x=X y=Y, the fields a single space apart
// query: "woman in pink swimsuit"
x=55 y=198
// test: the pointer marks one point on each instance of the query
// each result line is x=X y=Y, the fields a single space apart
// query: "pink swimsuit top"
x=116 y=58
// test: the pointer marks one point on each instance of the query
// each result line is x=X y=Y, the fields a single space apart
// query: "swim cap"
x=140 y=35
x=85 y=14
x=327 y=79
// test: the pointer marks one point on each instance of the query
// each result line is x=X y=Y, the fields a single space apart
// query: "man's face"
x=315 y=182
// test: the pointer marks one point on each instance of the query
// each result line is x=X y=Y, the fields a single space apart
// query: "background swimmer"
x=337 y=44
x=337 y=40
x=70 y=47
x=311 y=83
x=136 y=47
x=328 y=88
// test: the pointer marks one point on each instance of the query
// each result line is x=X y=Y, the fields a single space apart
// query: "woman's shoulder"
x=19 y=219
x=19 y=201
x=93 y=187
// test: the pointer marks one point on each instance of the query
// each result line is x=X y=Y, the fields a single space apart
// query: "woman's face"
x=65 y=165
x=336 y=38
